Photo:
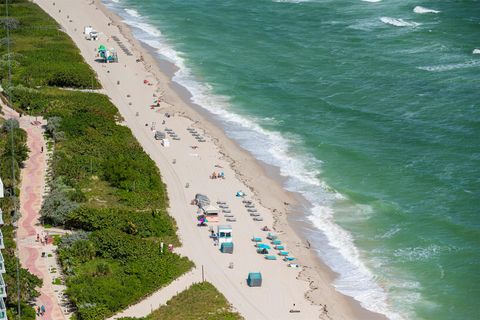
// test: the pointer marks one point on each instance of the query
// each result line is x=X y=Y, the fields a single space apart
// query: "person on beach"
x=42 y=310
x=42 y=149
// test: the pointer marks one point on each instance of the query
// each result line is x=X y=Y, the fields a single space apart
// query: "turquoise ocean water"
x=371 y=110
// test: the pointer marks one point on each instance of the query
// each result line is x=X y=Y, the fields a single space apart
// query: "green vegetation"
x=103 y=185
x=204 y=302
x=42 y=54
x=28 y=282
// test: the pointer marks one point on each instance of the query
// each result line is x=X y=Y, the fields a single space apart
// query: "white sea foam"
x=452 y=66
x=398 y=22
x=422 y=10
x=476 y=51
x=301 y=171
x=420 y=253
x=390 y=233
x=372 y=1
x=133 y=13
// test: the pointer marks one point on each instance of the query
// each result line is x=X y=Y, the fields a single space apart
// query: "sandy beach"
x=132 y=86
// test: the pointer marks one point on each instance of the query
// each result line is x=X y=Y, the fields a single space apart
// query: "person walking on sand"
x=42 y=310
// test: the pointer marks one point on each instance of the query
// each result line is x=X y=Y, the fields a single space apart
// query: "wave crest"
x=422 y=10
x=398 y=22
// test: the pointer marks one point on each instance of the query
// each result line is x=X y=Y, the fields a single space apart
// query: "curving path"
x=31 y=195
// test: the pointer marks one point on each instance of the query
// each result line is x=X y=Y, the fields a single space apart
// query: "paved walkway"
x=160 y=297
x=31 y=194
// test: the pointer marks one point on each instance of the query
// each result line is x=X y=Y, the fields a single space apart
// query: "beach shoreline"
x=268 y=190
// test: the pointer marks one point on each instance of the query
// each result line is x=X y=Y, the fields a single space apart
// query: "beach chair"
x=272 y=236
x=254 y=279
x=254 y=214
x=276 y=242
x=288 y=259
x=227 y=211
x=229 y=215
x=283 y=253
x=231 y=219
x=249 y=205
x=201 y=140
x=258 y=219
x=262 y=245
x=226 y=247
x=252 y=210
x=270 y=257
x=246 y=201
x=257 y=239
x=262 y=251
x=280 y=247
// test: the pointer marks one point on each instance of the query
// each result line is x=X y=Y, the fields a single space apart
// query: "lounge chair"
x=288 y=259
x=262 y=245
x=276 y=242
x=252 y=210
x=254 y=279
x=262 y=251
x=229 y=215
x=280 y=247
x=231 y=219
x=258 y=219
x=257 y=239
x=283 y=253
x=270 y=257
x=271 y=236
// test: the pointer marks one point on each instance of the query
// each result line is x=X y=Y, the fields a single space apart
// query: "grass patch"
x=200 y=301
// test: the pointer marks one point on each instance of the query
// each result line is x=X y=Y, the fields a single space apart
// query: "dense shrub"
x=69 y=239
x=10 y=125
x=57 y=205
x=203 y=301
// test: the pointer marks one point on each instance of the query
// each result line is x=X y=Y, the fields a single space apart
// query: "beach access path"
x=131 y=87
x=160 y=297
x=32 y=188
